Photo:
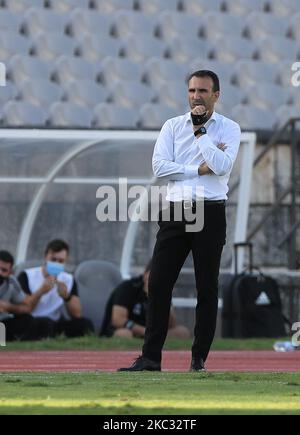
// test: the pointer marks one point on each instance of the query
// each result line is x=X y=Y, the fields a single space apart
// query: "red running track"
x=173 y=361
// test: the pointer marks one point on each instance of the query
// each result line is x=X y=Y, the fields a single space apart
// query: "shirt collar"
x=213 y=117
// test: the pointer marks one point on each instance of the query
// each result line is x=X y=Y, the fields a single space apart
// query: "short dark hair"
x=6 y=257
x=206 y=73
x=57 y=246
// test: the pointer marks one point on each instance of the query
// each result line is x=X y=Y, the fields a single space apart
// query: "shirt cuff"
x=191 y=171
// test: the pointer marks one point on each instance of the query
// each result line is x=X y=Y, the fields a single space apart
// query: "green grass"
x=96 y=343
x=150 y=394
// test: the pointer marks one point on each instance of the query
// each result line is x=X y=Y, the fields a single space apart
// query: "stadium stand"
x=83 y=22
x=68 y=68
x=131 y=94
x=21 y=5
x=243 y=7
x=171 y=24
x=112 y=6
x=64 y=114
x=40 y=92
x=96 y=47
x=65 y=6
x=251 y=118
x=113 y=116
x=182 y=50
x=152 y=115
x=157 y=6
x=39 y=20
x=12 y=43
x=113 y=69
x=85 y=93
x=49 y=46
x=20 y=113
x=24 y=67
x=140 y=49
x=201 y=6
x=283 y=8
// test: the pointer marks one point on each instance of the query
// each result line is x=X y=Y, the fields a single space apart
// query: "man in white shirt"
x=195 y=153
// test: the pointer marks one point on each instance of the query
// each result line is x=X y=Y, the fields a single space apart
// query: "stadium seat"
x=89 y=22
x=261 y=25
x=285 y=73
x=224 y=70
x=158 y=71
x=10 y=21
x=248 y=73
x=244 y=7
x=175 y=95
x=86 y=93
x=267 y=96
x=22 y=114
x=50 y=46
x=216 y=25
x=40 y=92
x=276 y=49
x=96 y=47
x=171 y=24
x=183 y=50
x=38 y=20
x=112 y=6
x=96 y=280
x=128 y=23
x=252 y=118
x=112 y=116
x=199 y=7
x=22 y=67
x=285 y=113
x=232 y=49
x=68 y=68
x=69 y=115
x=113 y=69
x=231 y=96
x=294 y=27
x=66 y=6
x=284 y=8
x=12 y=43
x=154 y=7
x=22 y=5
x=140 y=49
x=8 y=92
x=153 y=116
x=131 y=94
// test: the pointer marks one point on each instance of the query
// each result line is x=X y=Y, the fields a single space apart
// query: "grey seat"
x=68 y=68
x=252 y=118
x=156 y=6
x=22 y=114
x=66 y=6
x=285 y=73
x=153 y=116
x=84 y=21
x=231 y=96
x=29 y=264
x=11 y=44
x=70 y=115
x=284 y=8
x=260 y=25
x=294 y=27
x=244 y=7
x=217 y=25
x=113 y=116
x=85 y=93
x=183 y=49
x=96 y=280
x=275 y=49
x=247 y=73
x=22 y=5
x=232 y=49
x=40 y=92
x=38 y=20
x=112 y=6
x=22 y=67
x=113 y=69
x=223 y=70
x=285 y=113
x=96 y=47
x=131 y=94
x=141 y=48
x=10 y=21
x=8 y=92
x=128 y=23
x=51 y=46
x=199 y=7
x=175 y=95
x=171 y=25
x=158 y=71
x=267 y=96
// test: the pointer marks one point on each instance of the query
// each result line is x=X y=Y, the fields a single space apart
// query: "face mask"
x=54 y=269
x=200 y=119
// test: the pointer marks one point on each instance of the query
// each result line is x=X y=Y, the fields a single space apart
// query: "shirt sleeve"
x=18 y=296
x=221 y=162
x=124 y=296
x=23 y=281
x=74 y=290
x=163 y=158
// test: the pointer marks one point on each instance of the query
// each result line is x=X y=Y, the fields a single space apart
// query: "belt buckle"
x=187 y=205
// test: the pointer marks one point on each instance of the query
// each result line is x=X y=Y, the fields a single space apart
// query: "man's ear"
x=217 y=95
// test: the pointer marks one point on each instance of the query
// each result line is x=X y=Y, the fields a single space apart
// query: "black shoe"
x=142 y=364
x=197 y=365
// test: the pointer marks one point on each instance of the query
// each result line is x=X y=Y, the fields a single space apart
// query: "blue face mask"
x=54 y=269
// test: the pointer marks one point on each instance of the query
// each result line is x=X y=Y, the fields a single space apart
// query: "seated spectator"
x=125 y=314
x=16 y=306
x=56 y=290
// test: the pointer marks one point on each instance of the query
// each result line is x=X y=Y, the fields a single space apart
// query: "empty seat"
x=275 y=48
x=244 y=7
x=131 y=94
x=12 y=43
x=284 y=8
x=158 y=71
x=175 y=95
x=113 y=69
x=22 y=5
x=183 y=49
x=112 y=6
x=140 y=49
x=285 y=113
x=64 y=6
x=294 y=27
x=252 y=118
x=10 y=21
x=171 y=25
x=295 y=95
x=232 y=49
x=22 y=114
x=40 y=92
x=128 y=23
x=285 y=73
x=248 y=73
x=96 y=47
x=88 y=21
x=112 y=116
x=156 y=6
x=153 y=116
x=199 y=7
x=42 y=20
x=86 y=93
x=231 y=95
x=22 y=67
x=50 y=46
x=68 y=68
x=70 y=115
x=260 y=25
x=217 y=25
x=267 y=96
x=8 y=92
x=223 y=70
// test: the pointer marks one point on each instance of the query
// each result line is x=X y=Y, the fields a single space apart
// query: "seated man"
x=56 y=290
x=125 y=314
x=16 y=306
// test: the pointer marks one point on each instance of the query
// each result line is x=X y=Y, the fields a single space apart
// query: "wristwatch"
x=201 y=130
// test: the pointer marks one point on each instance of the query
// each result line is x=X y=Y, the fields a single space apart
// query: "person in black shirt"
x=125 y=314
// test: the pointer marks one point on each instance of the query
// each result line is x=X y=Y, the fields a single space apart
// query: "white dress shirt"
x=178 y=155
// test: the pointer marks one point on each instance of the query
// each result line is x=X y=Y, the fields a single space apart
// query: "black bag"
x=251 y=304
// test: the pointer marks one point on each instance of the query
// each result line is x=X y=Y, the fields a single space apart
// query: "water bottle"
x=284 y=346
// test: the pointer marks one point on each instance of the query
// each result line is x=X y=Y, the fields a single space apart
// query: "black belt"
x=192 y=204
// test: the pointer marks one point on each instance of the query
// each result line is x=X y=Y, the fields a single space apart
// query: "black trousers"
x=172 y=247
x=70 y=328
x=27 y=328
